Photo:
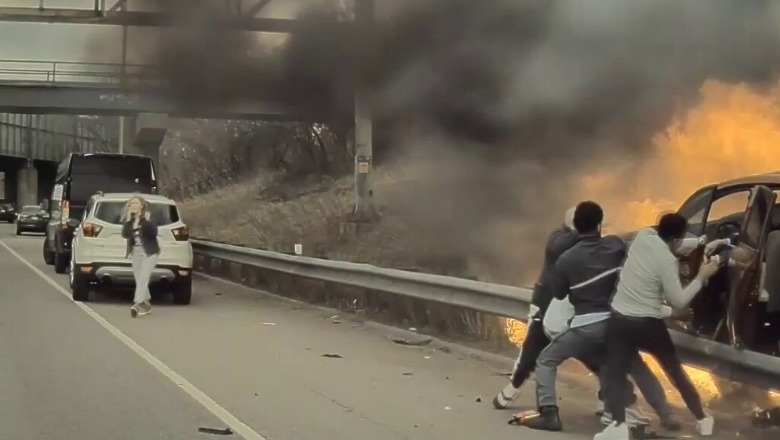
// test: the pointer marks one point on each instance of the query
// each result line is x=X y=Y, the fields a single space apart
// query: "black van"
x=79 y=177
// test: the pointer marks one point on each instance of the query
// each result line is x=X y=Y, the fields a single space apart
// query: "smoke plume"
x=502 y=103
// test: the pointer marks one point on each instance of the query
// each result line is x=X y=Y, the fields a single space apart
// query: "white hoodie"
x=560 y=311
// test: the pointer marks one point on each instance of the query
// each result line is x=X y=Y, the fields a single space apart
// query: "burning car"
x=740 y=306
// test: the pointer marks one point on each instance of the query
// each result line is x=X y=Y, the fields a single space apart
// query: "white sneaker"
x=506 y=396
x=614 y=432
x=705 y=426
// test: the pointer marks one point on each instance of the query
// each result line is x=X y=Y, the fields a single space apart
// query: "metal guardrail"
x=58 y=72
x=494 y=299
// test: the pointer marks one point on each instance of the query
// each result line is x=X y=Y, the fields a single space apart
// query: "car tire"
x=48 y=256
x=182 y=292
x=79 y=285
x=60 y=262
x=10 y=220
x=18 y=231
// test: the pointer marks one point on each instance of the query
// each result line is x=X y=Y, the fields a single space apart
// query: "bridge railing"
x=61 y=72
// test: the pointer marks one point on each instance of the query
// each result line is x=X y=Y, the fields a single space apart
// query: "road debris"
x=333 y=356
x=216 y=431
x=269 y=323
x=407 y=373
x=478 y=399
x=218 y=294
x=766 y=418
x=419 y=343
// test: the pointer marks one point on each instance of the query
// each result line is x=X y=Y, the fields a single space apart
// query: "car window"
x=729 y=205
x=111 y=212
x=31 y=209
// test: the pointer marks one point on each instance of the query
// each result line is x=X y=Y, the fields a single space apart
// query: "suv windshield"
x=162 y=214
x=31 y=210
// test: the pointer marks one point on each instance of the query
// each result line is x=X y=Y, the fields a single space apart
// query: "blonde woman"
x=140 y=231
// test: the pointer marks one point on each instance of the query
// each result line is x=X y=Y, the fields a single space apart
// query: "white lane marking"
x=232 y=421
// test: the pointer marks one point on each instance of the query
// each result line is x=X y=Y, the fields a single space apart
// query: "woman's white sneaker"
x=705 y=426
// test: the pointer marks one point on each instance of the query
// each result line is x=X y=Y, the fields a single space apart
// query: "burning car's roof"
x=770 y=179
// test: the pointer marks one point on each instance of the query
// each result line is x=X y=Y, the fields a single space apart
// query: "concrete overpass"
x=31 y=146
x=116 y=89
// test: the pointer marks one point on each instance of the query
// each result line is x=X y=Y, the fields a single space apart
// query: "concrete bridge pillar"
x=143 y=134
x=27 y=186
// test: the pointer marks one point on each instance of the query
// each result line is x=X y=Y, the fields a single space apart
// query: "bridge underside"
x=80 y=100
x=26 y=183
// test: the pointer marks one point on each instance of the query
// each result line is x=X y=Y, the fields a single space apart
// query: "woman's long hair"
x=126 y=208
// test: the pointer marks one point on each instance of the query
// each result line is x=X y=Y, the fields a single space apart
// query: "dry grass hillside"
x=275 y=213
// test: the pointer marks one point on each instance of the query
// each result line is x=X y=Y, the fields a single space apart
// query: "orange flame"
x=734 y=130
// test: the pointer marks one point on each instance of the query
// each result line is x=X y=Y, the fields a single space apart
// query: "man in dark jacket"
x=536 y=340
x=587 y=274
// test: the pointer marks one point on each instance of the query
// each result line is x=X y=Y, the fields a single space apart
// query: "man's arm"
x=673 y=290
x=559 y=280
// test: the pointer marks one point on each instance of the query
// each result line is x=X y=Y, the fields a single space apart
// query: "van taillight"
x=91 y=229
x=65 y=210
x=181 y=234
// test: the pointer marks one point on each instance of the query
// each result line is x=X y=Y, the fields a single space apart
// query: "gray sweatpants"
x=143 y=266
x=589 y=342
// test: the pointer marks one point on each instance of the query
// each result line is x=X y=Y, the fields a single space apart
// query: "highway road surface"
x=236 y=358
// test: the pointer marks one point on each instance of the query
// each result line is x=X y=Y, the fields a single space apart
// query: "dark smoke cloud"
x=509 y=99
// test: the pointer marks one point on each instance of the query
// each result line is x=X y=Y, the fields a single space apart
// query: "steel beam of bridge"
x=244 y=22
x=80 y=99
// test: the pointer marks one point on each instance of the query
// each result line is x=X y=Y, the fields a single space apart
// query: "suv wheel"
x=48 y=256
x=182 y=292
x=60 y=262
x=79 y=285
x=18 y=231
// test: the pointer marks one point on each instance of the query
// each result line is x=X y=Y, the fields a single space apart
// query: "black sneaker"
x=548 y=420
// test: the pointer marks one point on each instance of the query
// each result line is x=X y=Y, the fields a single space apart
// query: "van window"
x=118 y=174
x=116 y=166
x=111 y=212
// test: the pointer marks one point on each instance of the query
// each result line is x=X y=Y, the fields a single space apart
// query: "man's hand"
x=712 y=246
x=708 y=268
x=682 y=314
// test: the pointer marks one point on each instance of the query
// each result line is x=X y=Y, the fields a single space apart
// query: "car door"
x=745 y=268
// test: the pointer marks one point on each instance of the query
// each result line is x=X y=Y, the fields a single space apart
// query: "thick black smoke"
x=501 y=100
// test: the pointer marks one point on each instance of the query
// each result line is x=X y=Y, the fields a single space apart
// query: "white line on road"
x=232 y=421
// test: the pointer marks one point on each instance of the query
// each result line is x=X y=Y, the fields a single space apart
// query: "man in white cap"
x=536 y=340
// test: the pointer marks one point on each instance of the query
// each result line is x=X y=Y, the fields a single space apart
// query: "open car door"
x=745 y=266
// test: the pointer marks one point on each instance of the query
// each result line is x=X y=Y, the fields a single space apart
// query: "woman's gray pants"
x=143 y=266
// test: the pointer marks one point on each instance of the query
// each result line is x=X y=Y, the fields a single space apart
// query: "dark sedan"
x=7 y=212
x=32 y=219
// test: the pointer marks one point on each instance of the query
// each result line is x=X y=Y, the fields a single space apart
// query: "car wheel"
x=182 y=292
x=79 y=285
x=48 y=256
x=60 y=262
x=18 y=231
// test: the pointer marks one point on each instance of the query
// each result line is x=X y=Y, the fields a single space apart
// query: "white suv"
x=99 y=252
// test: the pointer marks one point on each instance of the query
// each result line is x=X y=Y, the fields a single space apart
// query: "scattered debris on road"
x=269 y=323
x=218 y=294
x=333 y=355
x=478 y=399
x=447 y=408
x=419 y=343
x=407 y=373
x=767 y=418
x=216 y=431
